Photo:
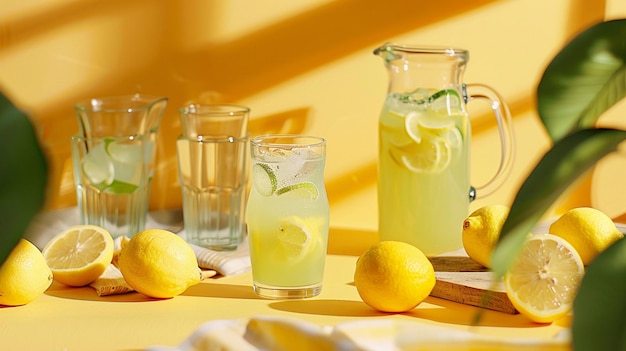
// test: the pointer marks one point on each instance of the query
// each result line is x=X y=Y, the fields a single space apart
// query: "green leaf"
x=600 y=307
x=586 y=78
x=561 y=166
x=23 y=171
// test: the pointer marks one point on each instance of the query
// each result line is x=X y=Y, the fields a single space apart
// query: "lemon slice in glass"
x=296 y=236
x=544 y=279
x=79 y=255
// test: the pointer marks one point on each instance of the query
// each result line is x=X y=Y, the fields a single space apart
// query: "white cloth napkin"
x=282 y=333
x=224 y=262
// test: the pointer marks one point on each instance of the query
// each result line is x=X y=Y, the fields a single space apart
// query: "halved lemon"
x=544 y=279
x=79 y=255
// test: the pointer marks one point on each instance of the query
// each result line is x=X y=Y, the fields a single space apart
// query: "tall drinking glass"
x=288 y=215
x=213 y=166
x=113 y=157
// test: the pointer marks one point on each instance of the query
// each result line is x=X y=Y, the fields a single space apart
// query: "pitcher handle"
x=505 y=130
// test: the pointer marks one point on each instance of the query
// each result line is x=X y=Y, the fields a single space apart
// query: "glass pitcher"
x=424 y=186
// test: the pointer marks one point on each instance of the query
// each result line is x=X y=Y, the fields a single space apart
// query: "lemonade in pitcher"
x=423 y=170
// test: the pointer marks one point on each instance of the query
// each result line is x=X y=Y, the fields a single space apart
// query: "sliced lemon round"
x=429 y=156
x=264 y=179
x=79 y=255
x=435 y=139
x=544 y=279
x=296 y=237
x=304 y=190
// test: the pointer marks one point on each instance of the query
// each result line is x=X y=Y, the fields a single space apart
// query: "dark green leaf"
x=561 y=166
x=586 y=78
x=23 y=172
x=600 y=305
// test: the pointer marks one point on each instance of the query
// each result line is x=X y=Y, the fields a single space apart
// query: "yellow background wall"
x=301 y=66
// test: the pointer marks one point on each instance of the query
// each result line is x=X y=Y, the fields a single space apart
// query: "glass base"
x=288 y=293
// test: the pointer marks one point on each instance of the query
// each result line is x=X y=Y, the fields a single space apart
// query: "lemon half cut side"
x=544 y=279
x=80 y=254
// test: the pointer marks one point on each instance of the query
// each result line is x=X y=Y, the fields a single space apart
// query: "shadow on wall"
x=136 y=47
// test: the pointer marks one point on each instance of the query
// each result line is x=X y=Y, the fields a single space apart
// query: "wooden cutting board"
x=460 y=279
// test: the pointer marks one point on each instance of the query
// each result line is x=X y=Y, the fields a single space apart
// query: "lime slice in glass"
x=304 y=190
x=264 y=179
x=119 y=187
x=125 y=151
x=98 y=167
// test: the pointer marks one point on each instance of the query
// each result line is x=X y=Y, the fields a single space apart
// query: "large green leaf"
x=561 y=166
x=23 y=172
x=586 y=78
x=600 y=307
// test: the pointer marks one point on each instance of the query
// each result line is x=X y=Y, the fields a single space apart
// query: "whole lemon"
x=393 y=276
x=24 y=275
x=159 y=264
x=589 y=230
x=481 y=231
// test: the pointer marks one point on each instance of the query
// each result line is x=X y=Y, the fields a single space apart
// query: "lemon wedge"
x=296 y=237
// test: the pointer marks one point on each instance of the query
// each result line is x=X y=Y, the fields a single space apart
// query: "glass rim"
x=422 y=49
x=216 y=139
x=262 y=140
x=213 y=109
x=82 y=138
x=95 y=104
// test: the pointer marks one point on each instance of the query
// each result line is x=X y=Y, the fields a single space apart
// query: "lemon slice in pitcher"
x=435 y=140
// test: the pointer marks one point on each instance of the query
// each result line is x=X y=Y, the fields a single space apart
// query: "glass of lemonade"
x=288 y=215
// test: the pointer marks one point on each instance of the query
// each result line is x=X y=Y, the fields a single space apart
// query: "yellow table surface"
x=66 y=318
